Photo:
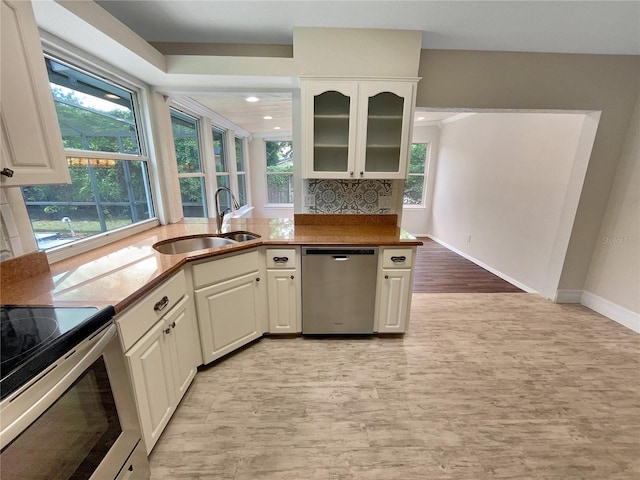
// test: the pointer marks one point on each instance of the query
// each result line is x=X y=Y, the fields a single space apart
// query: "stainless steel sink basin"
x=185 y=245
x=240 y=236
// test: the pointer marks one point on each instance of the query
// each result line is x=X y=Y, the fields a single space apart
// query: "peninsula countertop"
x=120 y=273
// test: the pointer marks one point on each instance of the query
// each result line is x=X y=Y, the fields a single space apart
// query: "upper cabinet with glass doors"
x=357 y=130
x=32 y=152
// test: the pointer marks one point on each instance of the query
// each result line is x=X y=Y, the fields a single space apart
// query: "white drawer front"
x=281 y=258
x=136 y=320
x=397 y=258
x=215 y=271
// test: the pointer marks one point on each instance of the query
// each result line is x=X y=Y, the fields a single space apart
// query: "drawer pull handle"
x=280 y=259
x=172 y=324
x=162 y=304
x=398 y=259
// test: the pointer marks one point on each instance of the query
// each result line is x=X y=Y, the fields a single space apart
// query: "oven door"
x=76 y=421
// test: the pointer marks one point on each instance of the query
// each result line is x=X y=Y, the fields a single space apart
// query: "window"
x=414 y=185
x=190 y=172
x=222 y=169
x=106 y=160
x=279 y=171
x=240 y=172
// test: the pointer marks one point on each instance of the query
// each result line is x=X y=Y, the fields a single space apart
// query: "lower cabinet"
x=395 y=282
x=284 y=288
x=163 y=363
x=231 y=303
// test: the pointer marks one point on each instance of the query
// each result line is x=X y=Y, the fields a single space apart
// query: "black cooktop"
x=34 y=337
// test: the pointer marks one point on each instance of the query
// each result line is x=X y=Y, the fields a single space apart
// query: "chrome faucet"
x=220 y=215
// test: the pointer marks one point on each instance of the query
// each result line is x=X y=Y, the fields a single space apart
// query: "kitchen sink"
x=240 y=236
x=191 y=244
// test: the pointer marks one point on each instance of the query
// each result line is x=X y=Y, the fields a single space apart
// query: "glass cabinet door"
x=386 y=120
x=331 y=127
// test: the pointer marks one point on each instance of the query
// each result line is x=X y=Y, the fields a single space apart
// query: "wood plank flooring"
x=483 y=386
x=439 y=270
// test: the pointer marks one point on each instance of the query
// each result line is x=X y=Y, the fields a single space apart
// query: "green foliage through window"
x=279 y=156
x=414 y=184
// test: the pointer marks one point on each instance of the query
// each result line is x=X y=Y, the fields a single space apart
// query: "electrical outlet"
x=384 y=201
x=309 y=200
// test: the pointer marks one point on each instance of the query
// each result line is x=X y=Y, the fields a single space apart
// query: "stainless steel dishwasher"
x=338 y=289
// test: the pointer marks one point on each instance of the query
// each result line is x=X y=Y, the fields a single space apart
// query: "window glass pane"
x=93 y=115
x=414 y=185
x=185 y=138
x=104 y=194
x=220 y=150
x=240 y=154
x=280 y=188
x=193 y=195
x=418 y=157
x=242 y=189
x=224 y=198
x=279 y=171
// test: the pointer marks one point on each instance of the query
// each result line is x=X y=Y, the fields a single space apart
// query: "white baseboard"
x=568 y=296
x=486 y=267
x=611 y=310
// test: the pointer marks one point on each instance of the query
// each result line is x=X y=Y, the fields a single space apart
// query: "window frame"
x=139 y=103
x=427 y=157
x=244 y=171
x=267 y=173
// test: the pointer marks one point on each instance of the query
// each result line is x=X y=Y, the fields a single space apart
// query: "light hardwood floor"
x=482 y=386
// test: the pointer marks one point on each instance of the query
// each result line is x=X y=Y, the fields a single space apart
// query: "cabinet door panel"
x=393 y=306
x=185 y=346
x=150 y=364
x=283 y=301
x=228 y=317
x=31 y=139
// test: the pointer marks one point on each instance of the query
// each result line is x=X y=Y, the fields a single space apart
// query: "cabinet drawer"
x=281 y=258
x=397 y=258
x=139 y=318
x=215 y=271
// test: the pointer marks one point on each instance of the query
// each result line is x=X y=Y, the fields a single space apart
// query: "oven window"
x=70 y=439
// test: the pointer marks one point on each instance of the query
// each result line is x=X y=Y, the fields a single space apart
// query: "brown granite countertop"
x=120 y=273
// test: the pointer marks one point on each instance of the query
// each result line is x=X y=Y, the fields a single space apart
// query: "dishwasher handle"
x=340 y=258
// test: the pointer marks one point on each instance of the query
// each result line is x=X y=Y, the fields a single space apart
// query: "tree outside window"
x=241 y=173
x=414 y=186
x=279 y=156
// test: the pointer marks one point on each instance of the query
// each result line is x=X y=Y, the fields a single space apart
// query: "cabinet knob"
x=258 y=279
x=351 y=174
x=7 y=172
x=167 y=331
x=172 y=324
x=292 y=277
x=362 y=174
x=386 y=277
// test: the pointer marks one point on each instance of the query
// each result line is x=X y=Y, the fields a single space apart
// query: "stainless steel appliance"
x=338 y=289
x=67 y=408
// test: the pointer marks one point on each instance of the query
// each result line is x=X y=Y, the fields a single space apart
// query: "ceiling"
x=589 y=27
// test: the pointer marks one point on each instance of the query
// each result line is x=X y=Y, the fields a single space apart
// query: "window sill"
x=279 y=205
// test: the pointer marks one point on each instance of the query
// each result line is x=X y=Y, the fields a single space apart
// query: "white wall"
x=502 y=178
x=415 y=220
x=613 y=281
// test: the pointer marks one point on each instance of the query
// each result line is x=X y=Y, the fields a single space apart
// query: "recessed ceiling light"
x=276 y=128
x=112 y=96
x=252 y=99
x=268 y=117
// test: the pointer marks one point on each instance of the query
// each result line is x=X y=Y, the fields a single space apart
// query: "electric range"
x=35 y=337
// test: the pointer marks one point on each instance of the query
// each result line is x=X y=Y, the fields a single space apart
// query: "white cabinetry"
x=395 y=278
x=160 y=339
x=231 y=303
x=357 y=130
x=283 y=285
x=31 y=140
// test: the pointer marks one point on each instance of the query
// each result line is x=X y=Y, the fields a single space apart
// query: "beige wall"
x=513 y=80
x=614 y=273
x=502 y=178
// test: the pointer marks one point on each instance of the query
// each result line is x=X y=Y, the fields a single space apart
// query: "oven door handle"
x=41 y=401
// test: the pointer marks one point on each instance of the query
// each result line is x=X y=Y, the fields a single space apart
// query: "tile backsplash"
x=347 y=196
